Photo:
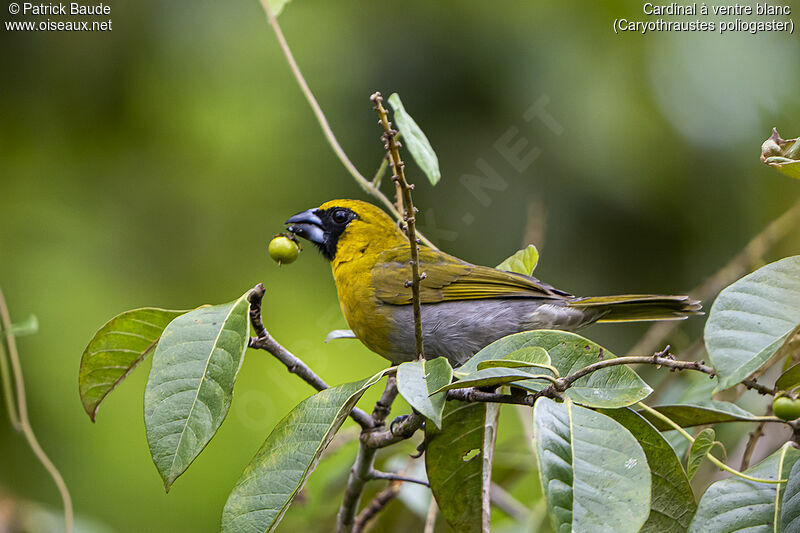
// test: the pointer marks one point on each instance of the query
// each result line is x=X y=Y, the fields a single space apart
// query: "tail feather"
x=639 y=307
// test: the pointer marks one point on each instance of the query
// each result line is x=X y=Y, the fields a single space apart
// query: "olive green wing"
x=449 y=278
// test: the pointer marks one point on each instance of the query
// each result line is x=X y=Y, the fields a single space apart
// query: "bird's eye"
x=340 y=216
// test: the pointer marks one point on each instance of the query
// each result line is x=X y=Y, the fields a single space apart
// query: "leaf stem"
x=363 y=182
x=667 y=420
x=376 y=181
x=24 y=422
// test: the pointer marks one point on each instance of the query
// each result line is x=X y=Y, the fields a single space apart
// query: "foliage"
x=602 y=466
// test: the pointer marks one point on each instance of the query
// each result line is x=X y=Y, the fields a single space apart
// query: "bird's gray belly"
x=459 y=329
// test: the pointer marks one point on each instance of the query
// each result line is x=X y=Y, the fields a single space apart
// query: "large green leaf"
x=191 y=382
x=288 y=457
x=672 y=502
x=699 y=449
x=736 y=504
x=702 y=413
x=116 y=349
x=454 y=460
x=790 y=504
x=416 y=141
x=417 y=382
x=616 y=386
x=752 y=318
x=594 y=473
x=522 y=262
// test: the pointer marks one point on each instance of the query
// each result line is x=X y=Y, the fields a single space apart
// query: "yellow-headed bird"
x=464 y=306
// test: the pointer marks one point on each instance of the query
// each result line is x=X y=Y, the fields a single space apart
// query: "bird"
x=464 y=307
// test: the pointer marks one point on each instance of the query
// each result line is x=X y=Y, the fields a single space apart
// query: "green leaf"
x=594 y=473
x=340 y=334
x=534 y=357
x=494 y=376
x=672 y=502
x=736 y=504
x=288 y=457
x=522 y=262
x=782 y=154
x=789 y=379
x=791 y=350
x=416 y=142
x=29 y=326
x=702 y=444
x=454 y=461
x=191 y=382
x=612 y=387
x=418 y=382
x=116 y=349
x=521 y=365
x=701 y=413
x=790 y=505
x=751 y=319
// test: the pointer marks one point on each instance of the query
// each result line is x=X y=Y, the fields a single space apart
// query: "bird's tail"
x=639 y=307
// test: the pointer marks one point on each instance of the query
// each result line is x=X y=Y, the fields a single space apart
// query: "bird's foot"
x=398 y=420
x=420 y=451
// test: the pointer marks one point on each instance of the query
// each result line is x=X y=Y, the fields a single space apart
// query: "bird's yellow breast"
x=358 y=249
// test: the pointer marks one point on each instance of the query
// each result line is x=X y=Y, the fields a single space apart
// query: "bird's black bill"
x=308 y=226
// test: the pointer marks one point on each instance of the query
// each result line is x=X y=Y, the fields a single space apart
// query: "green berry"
x=283 y=250
x=785 y=408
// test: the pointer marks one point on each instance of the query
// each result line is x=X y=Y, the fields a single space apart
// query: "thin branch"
x=430 y=519
x=363 y=469
x=661 y=359
x=556 y=389
x=365 y=184
x=751 y=446
x=378 y=503
x=264 y=341
x=359 y=475
x=732 y=271
x=386 y=437
x=8 y=386
x=409 y=214
x=471 y=394
x=508 y=503
x=391 y=476
x=22 y=406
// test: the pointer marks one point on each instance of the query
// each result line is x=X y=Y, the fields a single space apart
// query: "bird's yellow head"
x=346 y=229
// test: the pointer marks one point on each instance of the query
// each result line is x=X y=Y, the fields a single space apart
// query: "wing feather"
x=448 y=278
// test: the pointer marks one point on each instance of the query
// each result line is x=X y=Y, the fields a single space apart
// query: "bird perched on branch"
x=464 y=306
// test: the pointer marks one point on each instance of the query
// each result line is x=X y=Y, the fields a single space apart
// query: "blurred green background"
x=150 y=165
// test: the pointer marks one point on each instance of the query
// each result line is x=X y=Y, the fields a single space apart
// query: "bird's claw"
x=420 y=451
x=398 y=420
